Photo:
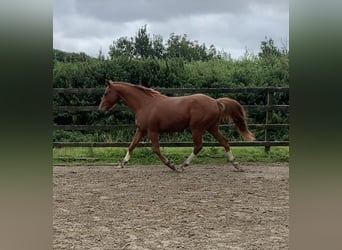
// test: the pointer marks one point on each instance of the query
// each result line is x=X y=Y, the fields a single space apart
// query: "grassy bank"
x=145 y=156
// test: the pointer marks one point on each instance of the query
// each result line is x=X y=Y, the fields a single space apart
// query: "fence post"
x=269 y=114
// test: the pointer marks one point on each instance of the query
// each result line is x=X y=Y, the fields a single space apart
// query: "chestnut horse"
x=156 y=113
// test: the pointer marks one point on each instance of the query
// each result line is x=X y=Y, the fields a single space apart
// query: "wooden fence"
x=270 y=106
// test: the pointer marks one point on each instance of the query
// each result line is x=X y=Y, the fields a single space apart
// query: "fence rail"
x=131 y=126
x=167 y=144
x=268 y=108
x=179 y=90
x=124 y=108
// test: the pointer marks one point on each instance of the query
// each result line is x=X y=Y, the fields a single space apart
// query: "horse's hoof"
x=238 y=170
x=118 y=166
x=180 y=169
x=237 y=167
x=171 y=166
x=236 y=164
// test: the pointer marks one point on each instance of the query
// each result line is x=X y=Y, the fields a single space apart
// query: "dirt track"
x=151 y=207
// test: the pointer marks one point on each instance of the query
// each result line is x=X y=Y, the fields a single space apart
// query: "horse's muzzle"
x=105 y=110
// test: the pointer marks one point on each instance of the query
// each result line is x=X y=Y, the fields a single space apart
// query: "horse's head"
x=109 y=98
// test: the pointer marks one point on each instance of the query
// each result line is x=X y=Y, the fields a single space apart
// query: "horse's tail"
x=231 y=110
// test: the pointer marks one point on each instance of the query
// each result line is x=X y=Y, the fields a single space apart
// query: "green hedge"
x=250 y=71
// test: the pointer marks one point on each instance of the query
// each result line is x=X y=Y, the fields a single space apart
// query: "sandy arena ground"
x=151 y=207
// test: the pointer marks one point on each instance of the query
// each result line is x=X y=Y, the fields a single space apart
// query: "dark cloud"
x=152 y=10
x=231 y=25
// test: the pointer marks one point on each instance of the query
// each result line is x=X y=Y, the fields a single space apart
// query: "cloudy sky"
x=90 y=25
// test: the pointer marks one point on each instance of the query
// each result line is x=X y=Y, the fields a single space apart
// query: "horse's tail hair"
x=231 y=110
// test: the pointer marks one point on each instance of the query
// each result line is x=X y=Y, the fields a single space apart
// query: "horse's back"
x=192 y=103
x=179 y=113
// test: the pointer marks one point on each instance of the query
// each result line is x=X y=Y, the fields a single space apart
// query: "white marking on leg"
x=230 y=156
x=126 y=159
x=232 y=160
x=189 y=159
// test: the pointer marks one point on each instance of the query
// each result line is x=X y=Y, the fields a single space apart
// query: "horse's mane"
x=149 y=91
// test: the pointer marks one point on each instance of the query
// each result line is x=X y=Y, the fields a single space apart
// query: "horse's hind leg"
x=223 y=141
x=138 y=135
x=198 y=145
x=154 y=137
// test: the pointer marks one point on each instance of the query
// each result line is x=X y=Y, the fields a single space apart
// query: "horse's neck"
x=134 y=98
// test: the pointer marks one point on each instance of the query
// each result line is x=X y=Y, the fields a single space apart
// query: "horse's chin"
x=110 y=109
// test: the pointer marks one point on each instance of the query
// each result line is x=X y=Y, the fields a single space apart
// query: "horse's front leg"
x=154 y=137
x=138 y=135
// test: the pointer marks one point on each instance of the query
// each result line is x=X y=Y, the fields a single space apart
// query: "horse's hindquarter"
x=204 y=112
x=173 y=114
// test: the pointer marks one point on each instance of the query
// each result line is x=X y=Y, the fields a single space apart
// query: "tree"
x=62 y=56
x=158 y=50
x=180 y=47
x=143 y=44
x=122 y=47
x=101 y=55
x=268 y=49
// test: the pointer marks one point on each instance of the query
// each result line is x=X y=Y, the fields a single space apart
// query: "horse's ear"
x=108 y=82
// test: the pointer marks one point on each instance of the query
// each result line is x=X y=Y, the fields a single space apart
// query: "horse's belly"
x=173 y=124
